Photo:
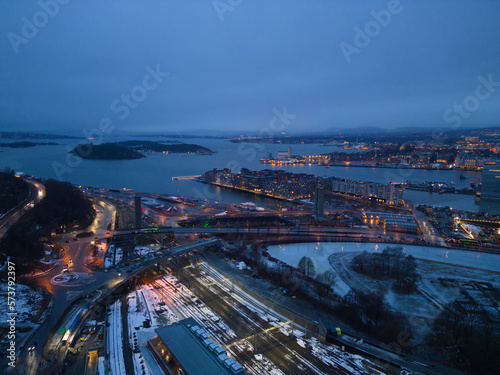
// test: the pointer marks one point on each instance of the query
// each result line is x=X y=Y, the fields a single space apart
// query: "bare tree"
x=306 y=266
x=327 y=278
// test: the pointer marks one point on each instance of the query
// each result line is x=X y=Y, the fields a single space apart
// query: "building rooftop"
x=193 y=348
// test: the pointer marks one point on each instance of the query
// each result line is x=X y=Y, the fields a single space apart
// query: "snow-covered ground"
x=144 y=304
x=144 y=250
x=167 y=300
x=137 y=314
x=433 y=264
x=329 y=354
x=115 y=340
x=319 y=253
x=113 y=256
x=109 y=256
x=28 y=302
x=101 y=366
x=119 y=255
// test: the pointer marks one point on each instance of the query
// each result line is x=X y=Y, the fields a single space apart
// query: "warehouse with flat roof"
x=186 y=348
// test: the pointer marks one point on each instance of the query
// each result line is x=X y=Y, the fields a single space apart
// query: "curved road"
x=28 y=362
x=37 y=193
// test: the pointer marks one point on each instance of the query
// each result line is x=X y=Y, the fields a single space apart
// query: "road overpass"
x=483 y=223
x=155 y=258
x=221 y=230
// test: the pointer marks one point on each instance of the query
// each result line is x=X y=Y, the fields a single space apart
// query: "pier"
x=186 y=177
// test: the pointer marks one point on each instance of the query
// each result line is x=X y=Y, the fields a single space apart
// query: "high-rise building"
x=490 y=188
x=319 y=203
x=138 y=212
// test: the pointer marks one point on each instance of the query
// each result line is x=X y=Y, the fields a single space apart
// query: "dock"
x=186 y=177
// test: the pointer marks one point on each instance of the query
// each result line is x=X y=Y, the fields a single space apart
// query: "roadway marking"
x=73 y=294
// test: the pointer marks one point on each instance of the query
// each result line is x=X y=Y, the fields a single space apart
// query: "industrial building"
x=285 y=154
x=393 y=222
x=185 y=348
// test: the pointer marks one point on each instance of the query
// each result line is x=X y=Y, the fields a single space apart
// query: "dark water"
x=154 y=173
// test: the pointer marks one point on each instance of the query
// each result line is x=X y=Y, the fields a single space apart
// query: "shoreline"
x=343 y=164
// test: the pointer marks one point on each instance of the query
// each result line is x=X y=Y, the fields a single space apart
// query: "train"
x=71 y=327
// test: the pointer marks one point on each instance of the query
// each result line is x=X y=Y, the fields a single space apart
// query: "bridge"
x=488 y=223
x=156 y=258
x=210 y=230
x=186 y=177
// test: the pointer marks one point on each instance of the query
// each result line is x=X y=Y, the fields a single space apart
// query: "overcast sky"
x=230 y=67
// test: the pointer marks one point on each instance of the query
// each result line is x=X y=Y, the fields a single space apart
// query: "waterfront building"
x=391 y=194
x=395 y=194
x=469 y=161
x=490 y=188
x=286 y=185
x=285 y=154
x=316 y=159
x=224 y=177
x=277 y=184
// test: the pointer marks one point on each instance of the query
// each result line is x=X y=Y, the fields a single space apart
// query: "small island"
x=106 y=151
x=182 y=148
x=27 y=144
x=135 y=150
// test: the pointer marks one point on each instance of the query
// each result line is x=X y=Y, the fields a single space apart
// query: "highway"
x=28 y=362
x=123 y=276
x=37 y=193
